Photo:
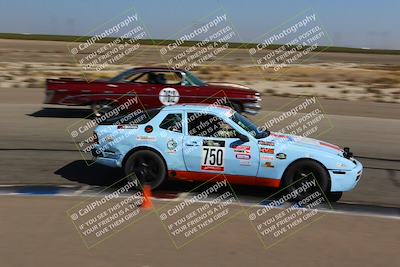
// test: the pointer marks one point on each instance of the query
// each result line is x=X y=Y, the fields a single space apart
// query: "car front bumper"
x=345 y=180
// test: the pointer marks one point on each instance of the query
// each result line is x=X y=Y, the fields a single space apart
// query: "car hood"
x=237 y=88
x=307 y=143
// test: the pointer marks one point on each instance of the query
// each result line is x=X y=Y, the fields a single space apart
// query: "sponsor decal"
x=218 y=143
x=148 y=129
x=171 y=145
x=243 y=156
x=241 y=149
x=268 y=164
x=281 y=156
x=266 y=143
x=267 y=158
x=212 y=156
x=146 y=138
x=168 y=96
x=267 y=150
x=278 y=135
x=127 y=126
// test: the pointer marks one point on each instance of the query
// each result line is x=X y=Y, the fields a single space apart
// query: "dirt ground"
x=344 y=76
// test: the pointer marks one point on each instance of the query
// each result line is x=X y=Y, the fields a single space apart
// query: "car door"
x=153 y=88
x=147 y=88
x=171 y=140
x=211 y=144
x=173 y=89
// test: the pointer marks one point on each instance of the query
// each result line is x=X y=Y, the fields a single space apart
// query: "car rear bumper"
x=49 y=97
x=345 y=180
x=112 y=160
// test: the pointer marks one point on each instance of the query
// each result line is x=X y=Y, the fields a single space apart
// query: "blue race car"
x=197 y=142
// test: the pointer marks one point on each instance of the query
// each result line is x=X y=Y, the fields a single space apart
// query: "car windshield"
x=193 y=79
x=248 y=126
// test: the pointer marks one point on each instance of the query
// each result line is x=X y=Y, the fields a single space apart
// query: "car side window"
x=165 y=78
x=172 y=122
x=207 y=125
x=156 y=77
x=140 y=77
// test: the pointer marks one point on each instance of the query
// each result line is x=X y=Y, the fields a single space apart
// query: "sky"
x=350 y=23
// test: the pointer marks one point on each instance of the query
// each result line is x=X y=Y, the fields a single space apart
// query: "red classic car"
x=154 y=87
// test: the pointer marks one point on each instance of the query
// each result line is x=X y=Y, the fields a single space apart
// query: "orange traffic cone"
x=147 y=204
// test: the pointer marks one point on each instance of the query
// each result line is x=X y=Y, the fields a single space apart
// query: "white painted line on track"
x=356 y=209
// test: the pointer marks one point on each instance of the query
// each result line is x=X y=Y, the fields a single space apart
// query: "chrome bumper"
x=252 y=108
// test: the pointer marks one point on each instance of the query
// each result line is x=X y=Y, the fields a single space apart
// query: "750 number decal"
x=212 y=159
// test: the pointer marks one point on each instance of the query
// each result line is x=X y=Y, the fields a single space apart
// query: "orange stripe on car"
x=330 y=146
x=233 y=179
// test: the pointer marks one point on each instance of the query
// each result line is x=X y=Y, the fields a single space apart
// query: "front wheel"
x=307 y=174
x=147 y=166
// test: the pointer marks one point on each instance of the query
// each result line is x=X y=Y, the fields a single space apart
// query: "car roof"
x=200 y=107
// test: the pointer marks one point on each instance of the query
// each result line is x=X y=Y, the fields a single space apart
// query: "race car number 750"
x=212 y=158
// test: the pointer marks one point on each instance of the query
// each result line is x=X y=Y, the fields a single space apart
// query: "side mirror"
x=243 y=138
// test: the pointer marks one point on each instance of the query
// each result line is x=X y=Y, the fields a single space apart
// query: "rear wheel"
x=305 y=171
x=147 y=166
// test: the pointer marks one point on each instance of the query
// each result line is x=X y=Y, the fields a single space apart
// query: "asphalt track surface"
x=35 y=231
x=35 y=149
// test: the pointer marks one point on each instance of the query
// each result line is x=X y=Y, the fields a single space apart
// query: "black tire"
x=305 y=170
x=147 y=166
x=334 y=196
x=101 y=107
